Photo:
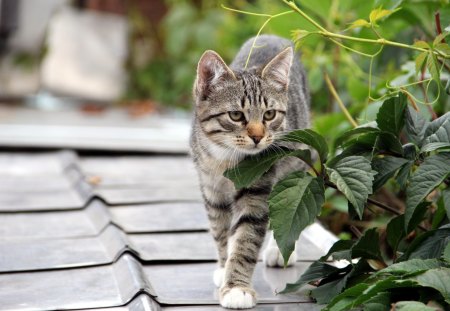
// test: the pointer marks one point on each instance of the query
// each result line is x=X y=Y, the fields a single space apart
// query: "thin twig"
x=339 y=101
x=437 y=19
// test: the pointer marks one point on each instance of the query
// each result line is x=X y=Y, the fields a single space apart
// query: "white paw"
x=273 y=258
x=238 y=298
x=219 y=276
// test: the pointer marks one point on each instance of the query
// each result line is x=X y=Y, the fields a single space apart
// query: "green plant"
x=371 y=155
x=394 y=148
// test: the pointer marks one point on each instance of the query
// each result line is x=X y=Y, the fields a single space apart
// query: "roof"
x=118 y=232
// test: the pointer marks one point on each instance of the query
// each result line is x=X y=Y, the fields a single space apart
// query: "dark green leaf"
x=430 y=244
x=438 y=279
x=344 y=300
x=368 y=246
x=403 y=174
x=438 y=130
x=415 y=126
x=380 y=302
x=377 y=141
x=417 y=216
x=310 y=138
x=410 y=267
x=395 y=231
x=294 y=203
x=386 y=167
x=391 y=116
x=361 y=293
x=353 y=132
x=428 y=176
x=352 y=150
x=439 y=215
x=316 y=271
x=324 y=293
x=253 y=167
x=338 y=248
x=353 y=176
x=435 y=146
x=411 y=306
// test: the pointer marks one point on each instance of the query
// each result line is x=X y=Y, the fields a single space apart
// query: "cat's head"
x=242 y=111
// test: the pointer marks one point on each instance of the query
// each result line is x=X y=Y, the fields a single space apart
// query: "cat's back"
x=266 y=48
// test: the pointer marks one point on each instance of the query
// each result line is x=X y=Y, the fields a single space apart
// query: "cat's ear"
x=277 y=70
x=211 y=73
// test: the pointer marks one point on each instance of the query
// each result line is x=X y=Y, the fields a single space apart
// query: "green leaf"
x=411 y=306
x=359 y=294
x=421 y=44
x=324 y=293
x=433 y=67
x=446 y=252
x=353 y=176
x=403 y=174
x=443 y=47
x=253 y=167
x=410 y=267
x=316 y=271
x=380 y=302
x=438 y=279
x=395 y=231
x=391 y=116
x=310 y=138
x=298 y=35
x=294 y=203
x=434 y=146
x=415 y=126
x=368 y=245
x=439 y=38
x=386 y=167
x=420 y=61
x=353 y=132
x=341 y=249
x=428 y=176
x=359 y=23
x=379 y=13
x=430 y=244
x=438 y=130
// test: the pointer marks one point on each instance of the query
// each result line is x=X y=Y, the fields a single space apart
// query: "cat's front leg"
x=248 y=228
x=219 y=215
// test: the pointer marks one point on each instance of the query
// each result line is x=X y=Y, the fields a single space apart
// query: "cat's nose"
x=256 y=139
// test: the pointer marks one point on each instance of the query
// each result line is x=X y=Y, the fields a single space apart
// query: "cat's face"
x=242 y=111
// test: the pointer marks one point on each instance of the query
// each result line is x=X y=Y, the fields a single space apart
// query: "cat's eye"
x=269 y=115
x=236 y=115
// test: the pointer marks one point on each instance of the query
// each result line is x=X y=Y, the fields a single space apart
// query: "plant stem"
x=339 y=101
x=322 y=31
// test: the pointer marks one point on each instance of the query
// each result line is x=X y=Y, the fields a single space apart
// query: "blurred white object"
x=86 y=54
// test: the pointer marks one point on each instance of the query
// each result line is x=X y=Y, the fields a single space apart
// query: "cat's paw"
x=273 y=258
x=237 y=298
x=219 y=276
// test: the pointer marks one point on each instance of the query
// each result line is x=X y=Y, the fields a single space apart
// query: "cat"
x=239 y=112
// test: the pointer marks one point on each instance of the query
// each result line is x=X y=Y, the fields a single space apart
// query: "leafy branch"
x=371 y=155
x=381 y=41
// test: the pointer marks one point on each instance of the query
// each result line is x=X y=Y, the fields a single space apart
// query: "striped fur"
x=275 y=81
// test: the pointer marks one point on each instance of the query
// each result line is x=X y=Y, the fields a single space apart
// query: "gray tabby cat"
x=240 y=112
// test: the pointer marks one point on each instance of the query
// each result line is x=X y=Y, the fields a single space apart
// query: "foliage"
x=396 y=147
x=400 y=140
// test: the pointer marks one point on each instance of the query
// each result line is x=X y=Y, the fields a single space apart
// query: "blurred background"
x=97 y=74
